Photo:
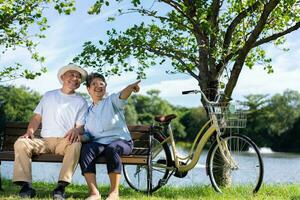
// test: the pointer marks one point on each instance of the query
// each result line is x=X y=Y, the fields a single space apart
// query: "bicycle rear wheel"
x=136 y=175
x=246 y=173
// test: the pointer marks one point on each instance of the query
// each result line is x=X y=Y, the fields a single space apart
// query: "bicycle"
x=224 y=154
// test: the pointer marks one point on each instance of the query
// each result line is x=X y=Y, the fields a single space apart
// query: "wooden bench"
x=140 y=155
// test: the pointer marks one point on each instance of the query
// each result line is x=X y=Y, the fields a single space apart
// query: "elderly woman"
x=105 y=133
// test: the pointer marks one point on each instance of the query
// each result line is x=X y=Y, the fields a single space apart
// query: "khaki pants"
x=25 y=148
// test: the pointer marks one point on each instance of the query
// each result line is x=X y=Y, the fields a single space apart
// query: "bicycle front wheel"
x=136 y=175
x=246 y=170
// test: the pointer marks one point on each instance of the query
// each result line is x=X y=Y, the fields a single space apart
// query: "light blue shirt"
x=105 y=122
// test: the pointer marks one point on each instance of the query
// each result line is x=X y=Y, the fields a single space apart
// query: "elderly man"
x=61 y=113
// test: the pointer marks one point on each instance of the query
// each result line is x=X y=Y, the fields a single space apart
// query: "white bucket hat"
x=69 y=67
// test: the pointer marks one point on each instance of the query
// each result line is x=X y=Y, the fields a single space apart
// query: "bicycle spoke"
x=137 y=177
x=246 y=171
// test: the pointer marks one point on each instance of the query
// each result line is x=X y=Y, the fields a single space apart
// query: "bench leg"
x=1 y=189
x=149 y=167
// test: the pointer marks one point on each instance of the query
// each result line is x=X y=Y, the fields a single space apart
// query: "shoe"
x=59 y=193
x=27 y=192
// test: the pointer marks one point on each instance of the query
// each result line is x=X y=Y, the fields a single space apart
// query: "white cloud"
x=172 y=88
x=257 y=81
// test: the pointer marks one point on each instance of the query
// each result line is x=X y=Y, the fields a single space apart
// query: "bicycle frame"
x=191 y=160
x=194 y=155
x=184 y=164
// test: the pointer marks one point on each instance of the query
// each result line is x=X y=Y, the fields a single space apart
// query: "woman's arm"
x=126 y=92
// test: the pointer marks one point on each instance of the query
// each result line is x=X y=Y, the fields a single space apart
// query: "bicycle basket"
x=228 y=115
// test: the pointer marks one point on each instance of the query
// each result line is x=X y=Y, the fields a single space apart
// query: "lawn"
x=205 y=192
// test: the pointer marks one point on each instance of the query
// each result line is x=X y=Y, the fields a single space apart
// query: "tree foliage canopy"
x=21 y=23
x=208 y=40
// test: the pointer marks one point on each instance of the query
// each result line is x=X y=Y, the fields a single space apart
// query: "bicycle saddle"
x=164 y=118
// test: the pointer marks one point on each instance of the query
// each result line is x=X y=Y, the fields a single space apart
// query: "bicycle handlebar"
x=189 y=91
x=218 y=97
x=199 y=91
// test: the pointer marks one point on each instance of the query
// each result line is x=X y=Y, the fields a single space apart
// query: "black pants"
x=112 y=152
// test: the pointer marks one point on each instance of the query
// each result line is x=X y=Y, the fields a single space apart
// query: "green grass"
x=267 y=192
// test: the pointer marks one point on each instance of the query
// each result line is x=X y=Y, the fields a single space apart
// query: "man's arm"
x=33 y=126
x=126 y=92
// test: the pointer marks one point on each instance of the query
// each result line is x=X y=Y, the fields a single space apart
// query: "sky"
x=66 y=35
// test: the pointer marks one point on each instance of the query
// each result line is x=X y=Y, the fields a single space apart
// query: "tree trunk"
x=223 y=175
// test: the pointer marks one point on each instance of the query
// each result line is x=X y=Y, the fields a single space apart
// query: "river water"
x=279 y=168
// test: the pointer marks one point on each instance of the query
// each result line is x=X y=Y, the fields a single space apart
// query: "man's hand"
x=33 y=126
x=73 y=134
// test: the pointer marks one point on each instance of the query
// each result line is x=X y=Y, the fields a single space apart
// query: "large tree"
x=205 y=39
x=22 y=23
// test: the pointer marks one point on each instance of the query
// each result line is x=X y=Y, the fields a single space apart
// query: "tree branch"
x=179 y=8
x=13 y=16
x=277 y=35
x=189 y=16
x=213 y=19
x=215 y=9
x=150 y=14
x=238 y=65
x=178 y=58
x=235 y=22
x=228 y=36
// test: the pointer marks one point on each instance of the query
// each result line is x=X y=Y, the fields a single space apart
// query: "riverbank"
x=203 y=192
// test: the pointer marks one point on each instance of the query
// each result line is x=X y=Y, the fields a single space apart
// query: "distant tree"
x=193 y=120
x=19 y=103
x=271 y=119
x=151 y=104
x=18 y=20
x=131 y=115
x=284 y=110
x=257 y=116
x=289 y=140
x=147 y=107
x=2 y=121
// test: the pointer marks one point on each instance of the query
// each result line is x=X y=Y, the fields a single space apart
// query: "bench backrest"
x=13 y=130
